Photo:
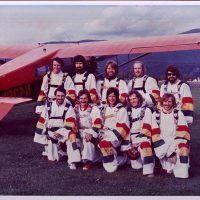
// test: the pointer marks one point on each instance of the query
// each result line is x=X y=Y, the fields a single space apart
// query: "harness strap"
x=117 y=83
x=53 y=129
x=49 y=105
x=49 y=81
x=55 y=86
x=158 y=114
x=102 y=85
x=56 y=117
x=85 y=77
x=64 y=78
x=132 y=120
x=178 y=87
x=103 y=82
x=54 y=141
x=135 y=133
x=143 y=84
x=120 y=106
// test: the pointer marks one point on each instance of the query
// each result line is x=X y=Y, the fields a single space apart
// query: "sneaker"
x=87 y=166
x=163 y=171
x=110 y=167
x=72 y=166
x=52 y=161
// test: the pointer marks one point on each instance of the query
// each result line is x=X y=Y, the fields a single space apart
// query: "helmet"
x=133 y=153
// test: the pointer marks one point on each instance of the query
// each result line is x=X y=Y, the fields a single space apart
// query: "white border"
x=99 y=197
x=99 y=3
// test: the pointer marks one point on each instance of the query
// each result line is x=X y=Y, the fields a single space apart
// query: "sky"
x=22 y=23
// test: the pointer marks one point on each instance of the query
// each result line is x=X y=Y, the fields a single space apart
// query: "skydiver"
x=146 y=85
x=180 y=90
x=140 y=154
x=83 y=79
x=89 y=122
x=57 y=126
x=51 y=81
x=111 y=80
x=115 y=133
x=170 y=137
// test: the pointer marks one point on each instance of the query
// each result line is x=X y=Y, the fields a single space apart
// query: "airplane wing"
x=133 y=45
x=7 y=103
x=13 y=51
x=22 y=69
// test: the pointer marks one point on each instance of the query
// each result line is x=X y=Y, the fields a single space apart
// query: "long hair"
x=59 y=60
x=86 y=92
x=166 y=96
x=138 y=95
x=113 y=64
x=116 y=93
x=80 y=58
x=173 y=69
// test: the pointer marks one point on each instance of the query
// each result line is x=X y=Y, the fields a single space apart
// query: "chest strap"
x=178 y=87
x=158 y=114
x=55 y=86
x=103 y=82
x=131 y=119
x=49 y=105
x=84 y=80
x=143 y=84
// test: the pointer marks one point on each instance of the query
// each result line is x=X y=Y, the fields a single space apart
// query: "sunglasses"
x=171 y=74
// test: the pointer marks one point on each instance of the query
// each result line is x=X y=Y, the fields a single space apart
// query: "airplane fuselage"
x=30 y=89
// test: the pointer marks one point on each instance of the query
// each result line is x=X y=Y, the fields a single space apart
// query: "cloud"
x=33 y=24
x=119 y=21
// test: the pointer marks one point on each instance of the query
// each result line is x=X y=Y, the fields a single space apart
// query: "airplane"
x=20 y=79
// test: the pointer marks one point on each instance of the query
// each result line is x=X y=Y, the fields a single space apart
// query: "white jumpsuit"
x=59 y=119
x=89 y=121
x=116 y=137
x=140 y=119
x=148 y=88
x=88 y=82
x=50 y=83
x=103 y=85
x=170 y=135
x=183 y=96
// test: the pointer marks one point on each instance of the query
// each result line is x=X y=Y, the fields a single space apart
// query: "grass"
x=23 y=172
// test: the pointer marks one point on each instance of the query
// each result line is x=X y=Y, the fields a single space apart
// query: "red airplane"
x=19 y=77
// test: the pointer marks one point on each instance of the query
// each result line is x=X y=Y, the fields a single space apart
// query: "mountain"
x=71 y=42
x=196 y=30
x=188 y=62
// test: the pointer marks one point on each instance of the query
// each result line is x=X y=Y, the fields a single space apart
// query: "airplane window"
x=40 y=71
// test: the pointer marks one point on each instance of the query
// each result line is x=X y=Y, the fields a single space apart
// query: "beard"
x=172 y=80
x=80 y=70
x=111 y=76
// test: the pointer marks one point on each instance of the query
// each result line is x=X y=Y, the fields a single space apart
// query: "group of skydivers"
x=106 y=120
